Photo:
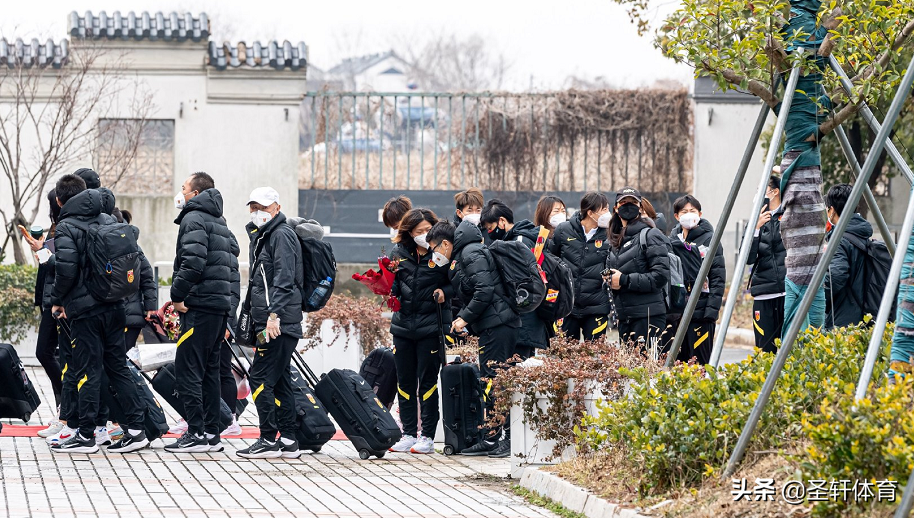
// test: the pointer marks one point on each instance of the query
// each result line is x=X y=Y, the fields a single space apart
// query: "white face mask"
x=260 y=217
x=420 y=240
x=603 y=220
x=472 y=218
x=558 y=219
x=689 y=220
x=180 y=202
x=394 y=232
x=439 y=259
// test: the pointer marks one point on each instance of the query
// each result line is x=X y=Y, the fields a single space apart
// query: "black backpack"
x=112 y=267
x=318 y=265
x=559 y=300
x=525 y=286
x=876 y=265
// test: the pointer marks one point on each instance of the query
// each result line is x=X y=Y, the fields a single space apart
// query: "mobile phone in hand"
x=765 y=204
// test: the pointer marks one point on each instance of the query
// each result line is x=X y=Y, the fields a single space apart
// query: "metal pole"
x=907 y=499
x=885 y=307
x=870 y=119
x=787 y=345
x=867 y=192
x=749 y=235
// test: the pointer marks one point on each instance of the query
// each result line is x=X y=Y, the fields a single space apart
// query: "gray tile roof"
x=152 y=26
x=33 y=53
x=359 y=64
x=258 y=55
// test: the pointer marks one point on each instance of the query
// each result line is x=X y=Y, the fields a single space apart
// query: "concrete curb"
x=571 y=496
x=738 y=337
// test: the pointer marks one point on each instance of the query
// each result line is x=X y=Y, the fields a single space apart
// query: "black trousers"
x=590 y=327
x=197 y=369
x=643 y=330
x=46 y=352
x=130 y=336
x=494 y=346
x=768 y=321
x=418 y=364
x=227 y=386
x=99 y=351
x=271 y=382
x=699 y=342
x=69 y=397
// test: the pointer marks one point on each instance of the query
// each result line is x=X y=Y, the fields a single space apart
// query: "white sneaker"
x=54 y=428
x=424 y=445
x=232 y=429
x=179 y=428
x=101 y=436
x=404 y=444
x=65 y=433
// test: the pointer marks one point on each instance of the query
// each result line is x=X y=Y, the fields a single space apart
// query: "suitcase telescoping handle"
x=442 y=341
x=65 y=326
x=305 y=370
x=244 y=371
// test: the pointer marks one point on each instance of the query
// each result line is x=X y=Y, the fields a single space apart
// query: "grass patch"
x=541 y=501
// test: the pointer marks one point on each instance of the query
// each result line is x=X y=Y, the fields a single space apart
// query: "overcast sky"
x=546 y=40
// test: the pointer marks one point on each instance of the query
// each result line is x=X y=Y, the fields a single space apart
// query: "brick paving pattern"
x=334 y=482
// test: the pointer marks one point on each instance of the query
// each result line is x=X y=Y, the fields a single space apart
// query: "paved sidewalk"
x=334 y=482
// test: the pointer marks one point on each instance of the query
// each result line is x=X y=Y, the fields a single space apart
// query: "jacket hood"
x=660 y=222
x=108 y=200
x=524 y=228
x=466 y=234
x=85 y=204
x=638 y=225
x=857 y=227
x=209 y=201
x=306 y=228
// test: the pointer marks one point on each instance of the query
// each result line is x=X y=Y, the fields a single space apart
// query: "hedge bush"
x=18 y=314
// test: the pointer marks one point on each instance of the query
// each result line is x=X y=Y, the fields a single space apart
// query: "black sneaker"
x=502 y=450
x=479 y=449
x=76 y=444
x=129 y=443
x=262 y=449
x=189 y=443
x=215 y=444
x=290 y=451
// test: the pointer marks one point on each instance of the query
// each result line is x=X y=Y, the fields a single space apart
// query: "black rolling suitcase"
x=380 y=371
x=18 y=397
x=462 y=406
x=357 y=410
x=314 y=425
x=164 y=384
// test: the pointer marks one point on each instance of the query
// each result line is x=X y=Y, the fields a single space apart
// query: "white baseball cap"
x=265 y=196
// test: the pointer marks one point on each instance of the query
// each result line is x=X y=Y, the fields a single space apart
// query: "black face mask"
x=497 y=234
x=629 y=211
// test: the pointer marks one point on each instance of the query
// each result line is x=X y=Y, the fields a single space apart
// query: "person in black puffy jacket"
x=845 y=283
x=581 y=242
x=96 y=328
x=694 y=234
x=422 y=287
x=498 y=220
x=476 y=280
x=143 y=304
x=766 y=282
x=201 y=292
x=276 y=278
x=639 y=270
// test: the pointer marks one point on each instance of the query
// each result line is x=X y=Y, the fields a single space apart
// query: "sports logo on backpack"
x=520 y=275
x=112 y=258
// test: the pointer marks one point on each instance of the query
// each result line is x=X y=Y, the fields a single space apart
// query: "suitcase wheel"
x=315 y=450
x=364 y=454
x=26 y=416
x=448 y=449
x=380 y=455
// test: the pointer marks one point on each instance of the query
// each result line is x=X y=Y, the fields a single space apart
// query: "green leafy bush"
x=682 y=424
x=18 y=313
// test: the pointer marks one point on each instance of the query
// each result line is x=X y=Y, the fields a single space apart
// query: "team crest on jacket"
x=431 y=264
x=598 y=244
x=758 y=316
x=130 y=276
x=453 y=264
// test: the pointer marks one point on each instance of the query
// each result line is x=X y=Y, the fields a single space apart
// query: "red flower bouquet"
x=379 y=282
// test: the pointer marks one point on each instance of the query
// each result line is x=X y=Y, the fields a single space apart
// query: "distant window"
x=136 y=157
x=392 y=71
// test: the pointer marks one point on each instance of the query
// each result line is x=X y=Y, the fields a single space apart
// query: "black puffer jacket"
x=533 y=331
x=204 y=256
x=586 y=259
x=70 y=242
x=767 y=257
x=235 y=286
x=146 y=298
x=708 y=309
x=645 y=271
x=278 y=258
x=48 y=288
x=475 y=278
x=844 y=284
x=415 y=282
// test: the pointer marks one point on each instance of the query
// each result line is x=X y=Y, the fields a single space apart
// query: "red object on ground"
x=247 y=432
